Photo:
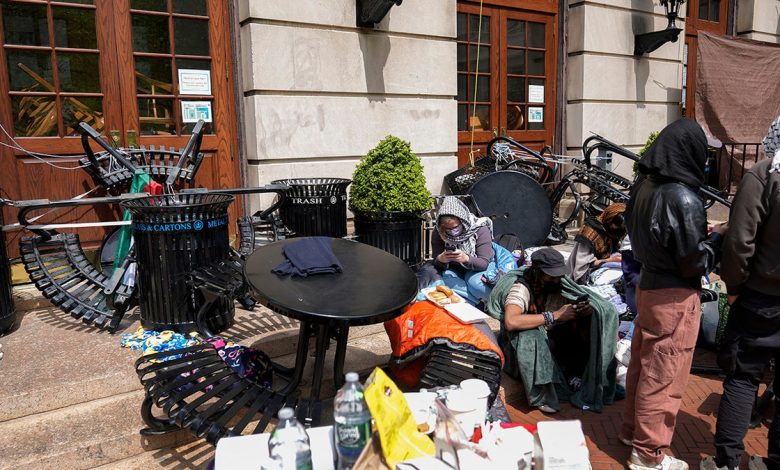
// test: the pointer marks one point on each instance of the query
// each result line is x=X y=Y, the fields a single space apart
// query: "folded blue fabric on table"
x=308 y=257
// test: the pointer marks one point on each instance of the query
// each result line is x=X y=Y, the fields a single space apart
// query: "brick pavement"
x=693 y=435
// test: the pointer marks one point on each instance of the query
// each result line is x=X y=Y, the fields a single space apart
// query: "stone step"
x=80 y=436
x=195 y=454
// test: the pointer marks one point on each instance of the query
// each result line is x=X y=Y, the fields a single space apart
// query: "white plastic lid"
x=286 y=413
x=476 y=388
x=352 y=377
x=460 y=401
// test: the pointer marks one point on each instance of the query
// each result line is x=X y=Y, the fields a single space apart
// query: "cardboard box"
x=560 y=445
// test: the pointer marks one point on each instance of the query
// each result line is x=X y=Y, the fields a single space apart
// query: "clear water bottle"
x=352 y=422
x=289 y=443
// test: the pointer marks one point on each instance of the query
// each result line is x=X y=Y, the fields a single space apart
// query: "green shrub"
x=650 y=139
x=389 y=179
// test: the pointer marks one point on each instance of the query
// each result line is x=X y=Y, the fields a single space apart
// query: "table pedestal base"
x=309 y=409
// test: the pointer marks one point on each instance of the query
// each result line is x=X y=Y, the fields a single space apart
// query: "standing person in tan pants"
x=667 y=224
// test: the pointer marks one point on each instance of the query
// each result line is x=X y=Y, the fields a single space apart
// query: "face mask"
x=454 y=232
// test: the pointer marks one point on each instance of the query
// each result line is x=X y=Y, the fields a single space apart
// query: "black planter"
x=398 y=233
x=7 y=310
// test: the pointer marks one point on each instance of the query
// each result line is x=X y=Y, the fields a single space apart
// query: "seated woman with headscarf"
x=597 y=242
x=463 y=249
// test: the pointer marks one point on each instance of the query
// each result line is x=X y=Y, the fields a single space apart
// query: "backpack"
x=513 y=245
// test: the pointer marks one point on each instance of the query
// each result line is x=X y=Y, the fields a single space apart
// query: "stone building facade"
x=318 y=92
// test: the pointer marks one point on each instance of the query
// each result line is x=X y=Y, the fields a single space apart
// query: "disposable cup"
x=464 y=409
x=478 y=392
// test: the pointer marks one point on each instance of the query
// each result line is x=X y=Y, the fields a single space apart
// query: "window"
x=53 y=65
x=709 y=10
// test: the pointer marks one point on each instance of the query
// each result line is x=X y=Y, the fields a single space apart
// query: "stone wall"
x=759 y=20
x=319 y=92
x=611 y=92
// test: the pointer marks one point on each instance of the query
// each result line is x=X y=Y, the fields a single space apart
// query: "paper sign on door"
x=193 y=111
x=536 y=93
x=535 y=114
x=194 y=82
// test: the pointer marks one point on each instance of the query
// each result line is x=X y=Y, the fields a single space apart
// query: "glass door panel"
x=172 y=57
x=53 y=66
x=527 y=77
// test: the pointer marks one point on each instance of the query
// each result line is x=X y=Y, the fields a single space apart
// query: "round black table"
x=374 y=287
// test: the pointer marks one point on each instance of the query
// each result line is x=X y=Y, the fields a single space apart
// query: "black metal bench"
x=220 y=284
x=64 y=275
x=114 y=168
x=59 y=268
x=200 y=392
x=448 y=366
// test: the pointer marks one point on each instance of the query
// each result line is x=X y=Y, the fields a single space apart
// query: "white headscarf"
x=772 y=145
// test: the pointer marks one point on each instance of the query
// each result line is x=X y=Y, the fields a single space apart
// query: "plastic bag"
x=395 y=424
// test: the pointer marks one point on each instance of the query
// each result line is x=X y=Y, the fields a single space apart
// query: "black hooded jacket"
x=665 y=218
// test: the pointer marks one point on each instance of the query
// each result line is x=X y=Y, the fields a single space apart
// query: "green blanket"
x=528 y=355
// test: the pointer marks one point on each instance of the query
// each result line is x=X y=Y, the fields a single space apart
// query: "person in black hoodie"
x=667 y=224
x=751 y=271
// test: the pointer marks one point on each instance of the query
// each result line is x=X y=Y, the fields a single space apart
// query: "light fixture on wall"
x=648 y=42
x=370 y=12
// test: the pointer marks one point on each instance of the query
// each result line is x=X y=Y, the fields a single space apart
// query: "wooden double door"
x=140 y=71
x=507 y=69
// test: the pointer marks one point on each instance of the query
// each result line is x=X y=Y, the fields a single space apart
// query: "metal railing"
x=733 y=160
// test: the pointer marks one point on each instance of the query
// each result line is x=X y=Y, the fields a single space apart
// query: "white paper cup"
x=463 y=407
x=478 y=392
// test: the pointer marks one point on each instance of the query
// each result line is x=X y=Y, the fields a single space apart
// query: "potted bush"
x=388 y=197
x=650 y=139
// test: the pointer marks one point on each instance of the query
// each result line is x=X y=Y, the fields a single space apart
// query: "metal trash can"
x=173 y=235
x=7 y=309
x=315 y=206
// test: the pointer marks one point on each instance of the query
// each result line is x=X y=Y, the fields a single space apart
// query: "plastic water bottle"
x=289 y=443
x=352 y=422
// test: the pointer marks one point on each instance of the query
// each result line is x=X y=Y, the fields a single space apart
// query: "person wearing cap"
x=751 y=271
x=667 y=223
x=537 y=317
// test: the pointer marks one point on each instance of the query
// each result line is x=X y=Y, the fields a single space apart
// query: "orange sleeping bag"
x=422 y=326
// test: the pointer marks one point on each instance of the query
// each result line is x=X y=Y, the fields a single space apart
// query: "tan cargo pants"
x=661 y=355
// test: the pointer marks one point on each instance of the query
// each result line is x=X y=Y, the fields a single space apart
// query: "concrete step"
x=190 y=455
x=81 y=436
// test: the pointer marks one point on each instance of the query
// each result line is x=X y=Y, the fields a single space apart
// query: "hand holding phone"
x=582 y=306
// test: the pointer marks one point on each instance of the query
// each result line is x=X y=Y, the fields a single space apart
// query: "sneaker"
x=635 y=462
x=756 y=462
x=546 y=409
x=708 y=463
